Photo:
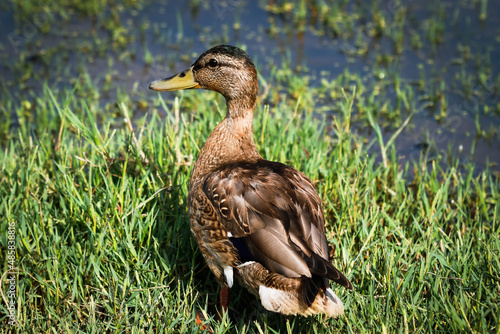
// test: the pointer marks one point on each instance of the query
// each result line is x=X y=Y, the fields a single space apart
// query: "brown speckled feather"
x=210 y=234
x=277 y=213
x=261 y=220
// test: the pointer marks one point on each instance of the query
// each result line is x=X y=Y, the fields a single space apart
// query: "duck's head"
x=225 y=69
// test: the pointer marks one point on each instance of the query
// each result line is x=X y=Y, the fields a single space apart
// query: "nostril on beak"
x=182 y=75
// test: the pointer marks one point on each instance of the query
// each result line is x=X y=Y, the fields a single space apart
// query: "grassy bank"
x=94 y=168
x=103 y=243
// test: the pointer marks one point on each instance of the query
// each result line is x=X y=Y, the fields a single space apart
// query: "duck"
x=257 y=221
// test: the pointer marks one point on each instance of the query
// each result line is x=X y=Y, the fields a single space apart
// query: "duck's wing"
x=277 y=216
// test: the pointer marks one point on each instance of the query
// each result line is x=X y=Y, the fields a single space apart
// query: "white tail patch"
x=333 y=304
x=228 y=273
x=288 y=302
x=330 y=294
x=276 y=300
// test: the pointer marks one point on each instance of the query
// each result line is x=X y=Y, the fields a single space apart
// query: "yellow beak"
x=183 y=80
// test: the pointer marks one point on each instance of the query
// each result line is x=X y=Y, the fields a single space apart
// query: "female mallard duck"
x=259 y=220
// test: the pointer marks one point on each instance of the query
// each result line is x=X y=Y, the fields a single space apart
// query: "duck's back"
x=272 y=215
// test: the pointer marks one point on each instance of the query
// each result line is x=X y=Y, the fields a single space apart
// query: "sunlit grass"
x=103 y=240
x=95 y=177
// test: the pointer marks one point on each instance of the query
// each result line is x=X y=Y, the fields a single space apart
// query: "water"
x=457 y=55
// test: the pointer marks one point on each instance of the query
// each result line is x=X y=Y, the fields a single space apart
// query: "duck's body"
x=257 y=220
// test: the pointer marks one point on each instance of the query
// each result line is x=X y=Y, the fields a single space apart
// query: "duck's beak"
x=183 y=80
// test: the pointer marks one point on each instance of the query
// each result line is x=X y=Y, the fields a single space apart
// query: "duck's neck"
x=230 y=142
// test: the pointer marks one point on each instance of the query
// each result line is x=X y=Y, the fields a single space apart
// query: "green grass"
x=94 y=175
x=103 y=240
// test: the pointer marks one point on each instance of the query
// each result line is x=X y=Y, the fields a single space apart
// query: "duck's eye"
x=213 y=62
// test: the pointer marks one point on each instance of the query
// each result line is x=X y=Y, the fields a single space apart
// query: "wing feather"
x=277 y=214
